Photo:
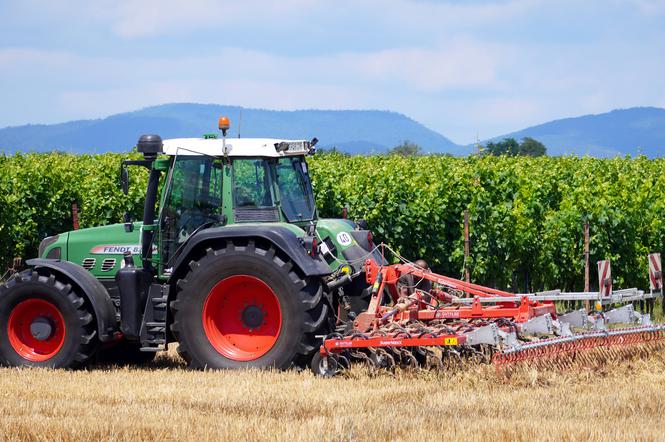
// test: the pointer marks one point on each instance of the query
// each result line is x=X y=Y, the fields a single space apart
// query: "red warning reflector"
x=655 y=272
x=604 y=278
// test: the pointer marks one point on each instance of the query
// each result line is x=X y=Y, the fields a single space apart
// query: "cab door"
x=193 y=199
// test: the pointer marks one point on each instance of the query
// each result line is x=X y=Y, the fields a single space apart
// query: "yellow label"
x=450 y=341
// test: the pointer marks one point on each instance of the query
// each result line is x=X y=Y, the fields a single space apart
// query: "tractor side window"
x=251 y=184
x=194 y=199
x=295 y=189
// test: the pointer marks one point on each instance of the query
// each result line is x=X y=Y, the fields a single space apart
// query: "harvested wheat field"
x=166 y=402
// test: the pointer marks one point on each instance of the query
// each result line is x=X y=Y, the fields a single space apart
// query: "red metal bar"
x=455 y=284
x=520 y=314
x=337 y=345
x=397 y=270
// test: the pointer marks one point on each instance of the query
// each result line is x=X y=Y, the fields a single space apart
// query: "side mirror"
x=127 y=218
x=124 y=180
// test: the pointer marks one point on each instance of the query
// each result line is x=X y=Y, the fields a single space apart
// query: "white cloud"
x=146 y=18
x=646 y=7
x=80 y=86
x=462 y=65
x=19 y=58
x=441 y=14
x=462 y=88
x=136 y=18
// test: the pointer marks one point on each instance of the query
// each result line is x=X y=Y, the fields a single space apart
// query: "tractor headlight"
x=45 y=243
x=54 y=253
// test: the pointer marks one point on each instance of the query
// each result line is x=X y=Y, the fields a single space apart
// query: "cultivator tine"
x=407 y=360
x=343 y=363
x=451 y=358
x=434 y=360
x=359 y=356
x=383 y=360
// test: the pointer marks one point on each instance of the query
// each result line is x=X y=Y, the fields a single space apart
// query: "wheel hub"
x=36 y=329
x=242 y=318
x=252 y=316
x=41 y=328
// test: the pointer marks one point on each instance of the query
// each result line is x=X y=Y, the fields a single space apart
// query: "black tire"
x=304 y=307
x=326 y=366
x=126 y=353
x=80 y=341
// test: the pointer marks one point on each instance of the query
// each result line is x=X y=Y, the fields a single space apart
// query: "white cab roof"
x=235 y=147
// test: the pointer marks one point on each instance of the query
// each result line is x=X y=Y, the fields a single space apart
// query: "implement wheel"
x=244 y=306
x=44 y=323
x=326 y=366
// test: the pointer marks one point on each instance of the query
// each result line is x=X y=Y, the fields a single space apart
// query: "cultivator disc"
x=454 y=323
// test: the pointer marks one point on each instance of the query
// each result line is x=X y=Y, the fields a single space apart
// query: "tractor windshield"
x=295 y=188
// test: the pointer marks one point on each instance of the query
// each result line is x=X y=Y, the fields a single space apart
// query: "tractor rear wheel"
x=245 y=306
x=44 y=323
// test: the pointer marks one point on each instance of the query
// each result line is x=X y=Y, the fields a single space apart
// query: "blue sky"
x=466 y=69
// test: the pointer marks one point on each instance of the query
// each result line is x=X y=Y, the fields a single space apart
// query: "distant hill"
x=361 y=131
x=634 y=131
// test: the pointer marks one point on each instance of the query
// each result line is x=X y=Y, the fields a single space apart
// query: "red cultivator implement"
x=417 y=318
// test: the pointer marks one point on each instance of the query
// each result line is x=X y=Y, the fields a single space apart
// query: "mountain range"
x=633 y=131
x=352 y=131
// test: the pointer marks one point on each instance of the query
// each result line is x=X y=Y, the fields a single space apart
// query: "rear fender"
x=281 y=237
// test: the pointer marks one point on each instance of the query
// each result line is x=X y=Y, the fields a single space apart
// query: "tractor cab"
x=213 y=182
x=208 y=182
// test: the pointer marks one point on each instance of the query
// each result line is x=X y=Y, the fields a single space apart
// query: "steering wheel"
x=191 y=219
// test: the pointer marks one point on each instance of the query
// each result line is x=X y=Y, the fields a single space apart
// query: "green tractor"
x=233 y=264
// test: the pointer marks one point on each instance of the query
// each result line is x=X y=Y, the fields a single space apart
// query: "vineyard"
x=526 y=214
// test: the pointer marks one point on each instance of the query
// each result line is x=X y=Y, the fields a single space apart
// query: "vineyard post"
x=75 y=215
x=586 y=262
x=467 y=275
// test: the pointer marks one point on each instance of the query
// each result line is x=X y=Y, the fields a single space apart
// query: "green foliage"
x=532 y=147
x=406 y=149
x=526 y=213
x=37 y=192
x=510 y=147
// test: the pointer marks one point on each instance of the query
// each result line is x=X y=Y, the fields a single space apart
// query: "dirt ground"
x=164 y=401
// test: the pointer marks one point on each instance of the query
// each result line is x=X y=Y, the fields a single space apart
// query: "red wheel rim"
x=242 y=317
x=20 y=331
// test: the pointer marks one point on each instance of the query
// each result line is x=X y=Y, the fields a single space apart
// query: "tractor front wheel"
x=245 y=306
x=44 y=323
